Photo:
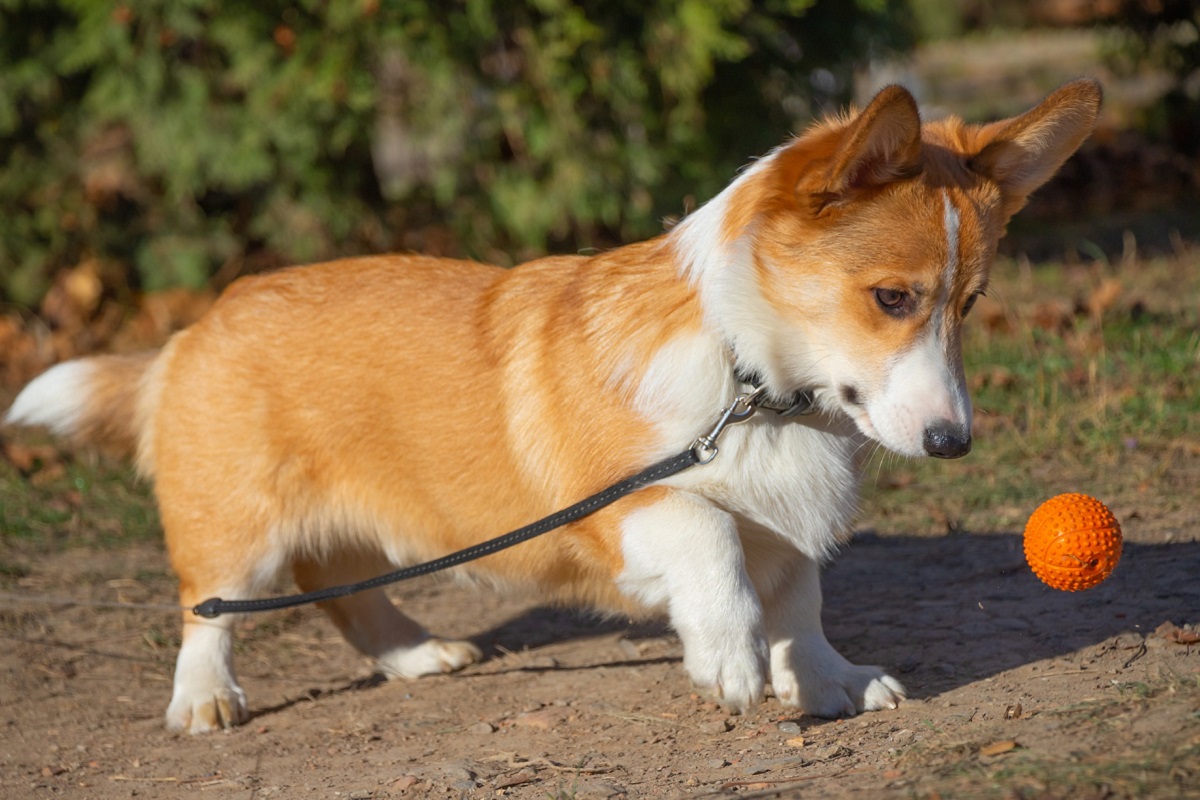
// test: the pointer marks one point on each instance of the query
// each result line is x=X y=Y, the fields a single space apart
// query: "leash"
x=215 y=606
x=703 y=450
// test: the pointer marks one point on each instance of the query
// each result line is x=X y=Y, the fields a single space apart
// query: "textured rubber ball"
x=1072 y=542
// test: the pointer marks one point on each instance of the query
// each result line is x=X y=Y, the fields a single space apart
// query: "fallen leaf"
x=998 y=748
x=48 y=475
x=1053 y=315
x=1104 y=297
x=1171 y=632
x=74 y=297
x=22 y=353
x=997 y=376
x=20 y=456
x=158 y=316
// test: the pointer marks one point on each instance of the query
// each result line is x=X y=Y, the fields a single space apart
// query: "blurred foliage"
x=175 y=140
x=936 y=20
x=1142 y=39
x=1162 y=35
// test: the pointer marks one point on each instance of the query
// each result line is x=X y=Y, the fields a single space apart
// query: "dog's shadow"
x=955 y=609
x=938 y=612
x=541 y=626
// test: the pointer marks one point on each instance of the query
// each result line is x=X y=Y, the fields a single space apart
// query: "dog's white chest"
x=797 y=480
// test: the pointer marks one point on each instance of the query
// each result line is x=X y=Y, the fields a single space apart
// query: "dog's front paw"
x=810 y=675
x=207 y=709
x=844 y=694
x=733 y=676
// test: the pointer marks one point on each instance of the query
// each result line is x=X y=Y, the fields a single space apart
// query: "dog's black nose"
x=944 y=439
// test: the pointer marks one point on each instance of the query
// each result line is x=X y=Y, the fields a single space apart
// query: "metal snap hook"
x=741 y=409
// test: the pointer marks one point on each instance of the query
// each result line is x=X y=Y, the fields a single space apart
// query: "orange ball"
x=1072 y=542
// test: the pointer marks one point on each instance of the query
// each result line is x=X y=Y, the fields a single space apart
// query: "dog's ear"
x=1022 y=153
x=879 y=146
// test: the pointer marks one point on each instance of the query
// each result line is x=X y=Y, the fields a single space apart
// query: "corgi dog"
x=339 y=420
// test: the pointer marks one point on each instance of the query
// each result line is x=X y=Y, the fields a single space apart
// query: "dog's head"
x=846 y=261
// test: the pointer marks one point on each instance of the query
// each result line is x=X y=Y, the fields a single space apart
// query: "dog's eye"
x=892 y=301
x=967 y=306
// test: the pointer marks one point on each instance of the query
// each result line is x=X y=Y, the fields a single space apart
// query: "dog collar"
x=798 y=403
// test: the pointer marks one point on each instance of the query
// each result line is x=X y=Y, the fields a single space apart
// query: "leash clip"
x=741 y=409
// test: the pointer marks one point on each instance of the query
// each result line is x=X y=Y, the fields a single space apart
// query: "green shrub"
x=179 y=138
x=1162 y=37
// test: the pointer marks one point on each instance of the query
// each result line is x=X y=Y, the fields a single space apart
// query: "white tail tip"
x=56 y=398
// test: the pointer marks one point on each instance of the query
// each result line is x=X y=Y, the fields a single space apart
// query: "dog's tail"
x=103 y=401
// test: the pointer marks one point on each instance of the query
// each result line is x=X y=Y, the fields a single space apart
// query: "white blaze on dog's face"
x=865 y=243
x=895 y=279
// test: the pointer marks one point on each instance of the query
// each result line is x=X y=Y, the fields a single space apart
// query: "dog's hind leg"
x=370 y=621
x=206 y=695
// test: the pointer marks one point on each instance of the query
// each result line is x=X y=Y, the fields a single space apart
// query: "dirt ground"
x=1016 y=690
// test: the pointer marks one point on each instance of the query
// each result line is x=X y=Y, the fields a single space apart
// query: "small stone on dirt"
x=455 y=773
x=830 y=752
x=515 y=779
x=597 y=790
x=544 y=720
